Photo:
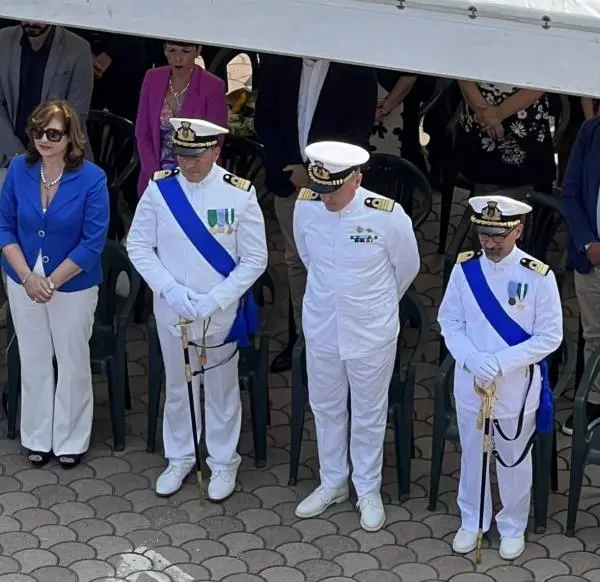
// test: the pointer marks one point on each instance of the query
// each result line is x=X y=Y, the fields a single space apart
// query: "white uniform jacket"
x=529 y=298
x=360 y=262
x=161 y=252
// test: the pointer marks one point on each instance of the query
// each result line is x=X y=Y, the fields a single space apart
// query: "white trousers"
x=514 y=483
x=222 y=402
x=57 y=417
x=368 y=379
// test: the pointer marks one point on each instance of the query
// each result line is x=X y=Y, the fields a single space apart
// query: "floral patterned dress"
x=524 y=155
x=167 y=159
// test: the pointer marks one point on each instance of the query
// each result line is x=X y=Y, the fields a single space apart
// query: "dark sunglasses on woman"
x=51 y=133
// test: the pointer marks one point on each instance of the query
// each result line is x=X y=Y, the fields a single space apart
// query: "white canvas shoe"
x=372 y=513
x=221 y=485
x=172 y=478
x=512 y=548
x=320 y=499
x=464 y=541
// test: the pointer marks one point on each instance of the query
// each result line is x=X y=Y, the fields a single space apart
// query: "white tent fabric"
x=553 y=45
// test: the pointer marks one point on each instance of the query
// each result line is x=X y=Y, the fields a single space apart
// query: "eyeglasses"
x=496 y=238
x=51 y=133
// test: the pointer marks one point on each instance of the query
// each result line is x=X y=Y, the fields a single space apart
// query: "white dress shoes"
x=320 y=499
x=172 y=478
x=221 y=485
x=372 y=513
x=512 y=548
x=464 y=541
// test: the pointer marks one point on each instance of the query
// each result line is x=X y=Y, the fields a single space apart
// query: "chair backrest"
x=245 y=158
x=545 y=236
x=400 y=180
x=115 y=265
x=414 y=328
x=265 y=295
x=112 y=139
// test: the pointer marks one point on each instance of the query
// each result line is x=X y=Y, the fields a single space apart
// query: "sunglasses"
x=51 y=134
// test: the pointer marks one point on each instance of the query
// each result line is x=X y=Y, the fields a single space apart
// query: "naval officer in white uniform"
x=186 y=284
x=361 y=255
x=526 y=291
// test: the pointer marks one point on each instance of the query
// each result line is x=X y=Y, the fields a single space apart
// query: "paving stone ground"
x=102 y=522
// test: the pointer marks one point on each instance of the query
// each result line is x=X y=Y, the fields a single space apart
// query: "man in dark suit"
x=302 y=101
x=581 y=204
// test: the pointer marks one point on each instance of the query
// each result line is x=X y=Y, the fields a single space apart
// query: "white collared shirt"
x=311 y=82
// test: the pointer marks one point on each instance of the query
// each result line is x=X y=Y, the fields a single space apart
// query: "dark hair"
x=42 y=115
x=182 y=44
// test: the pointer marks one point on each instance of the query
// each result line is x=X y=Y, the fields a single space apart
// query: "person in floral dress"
x=504 y=137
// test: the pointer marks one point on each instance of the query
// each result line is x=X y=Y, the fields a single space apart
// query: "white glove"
x=177 y=296
x=204 y=304
x=482 y=365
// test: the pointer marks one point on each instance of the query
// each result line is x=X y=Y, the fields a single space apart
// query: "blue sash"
x=512 y=333
x=246 y=320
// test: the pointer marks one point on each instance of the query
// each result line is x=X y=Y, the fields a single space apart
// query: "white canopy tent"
x=553 y=45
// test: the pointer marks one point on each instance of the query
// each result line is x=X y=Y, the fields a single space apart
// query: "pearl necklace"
x=47 y=183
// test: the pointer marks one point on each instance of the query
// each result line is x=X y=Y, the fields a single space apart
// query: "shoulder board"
x=467 y=256
x=536 y=266
x=162 y=174
x=308 y=194
x=385 y=204
x=240 y=183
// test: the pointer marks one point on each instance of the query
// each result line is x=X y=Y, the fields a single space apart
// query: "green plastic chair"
x=585 y=446
x=413 y=315
x=545 y=446
x=107 y=346
x=253 y=372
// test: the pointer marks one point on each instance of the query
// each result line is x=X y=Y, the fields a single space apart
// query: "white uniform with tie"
x=161 y=252
x=532 y=300
x=360 y=262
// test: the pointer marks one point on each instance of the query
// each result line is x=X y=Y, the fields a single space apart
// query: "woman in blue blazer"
x=54 y=214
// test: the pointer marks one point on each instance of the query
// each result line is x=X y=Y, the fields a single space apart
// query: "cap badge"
x=186 y=133
x=492 y=212
x=319 y=171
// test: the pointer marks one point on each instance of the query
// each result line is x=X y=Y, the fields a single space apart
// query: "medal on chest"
x=516 y=294
x=220 y=220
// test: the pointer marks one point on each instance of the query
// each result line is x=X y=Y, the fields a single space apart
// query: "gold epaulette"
x=385 y=204
x=162 y=174
x=536 y=266
x=307 y=194
x=238 y=182
x=467 y=256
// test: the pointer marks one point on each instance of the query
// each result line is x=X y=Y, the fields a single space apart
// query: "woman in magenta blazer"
x=180 y=89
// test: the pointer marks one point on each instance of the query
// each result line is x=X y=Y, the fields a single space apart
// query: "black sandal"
x=38 y=458
x=69 y=461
